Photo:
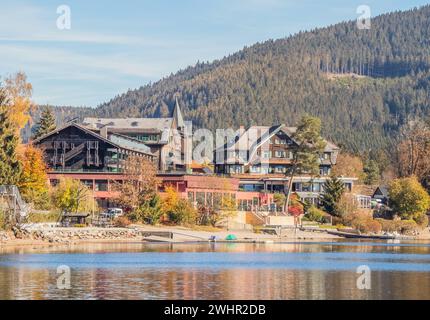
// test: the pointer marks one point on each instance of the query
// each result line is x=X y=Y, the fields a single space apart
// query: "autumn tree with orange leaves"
x=413 y=153
x=34 y=179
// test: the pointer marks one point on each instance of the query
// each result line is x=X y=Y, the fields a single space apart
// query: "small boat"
x=361 y=236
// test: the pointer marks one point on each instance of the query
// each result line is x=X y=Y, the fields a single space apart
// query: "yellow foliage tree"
x=19 y=92
x=177 y=210
x=73 y=196
x=408 y=198
x=170 y=200
x=34 y=179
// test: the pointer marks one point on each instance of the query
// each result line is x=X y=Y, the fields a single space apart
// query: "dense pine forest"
x=363 y=84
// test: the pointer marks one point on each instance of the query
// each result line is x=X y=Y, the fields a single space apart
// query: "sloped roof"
x=163 y=125
x=382 y=190
x=127 y=123
x=257 y=135
x=116 y=144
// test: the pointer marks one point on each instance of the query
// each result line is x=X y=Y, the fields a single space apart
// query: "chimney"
x=104 y=132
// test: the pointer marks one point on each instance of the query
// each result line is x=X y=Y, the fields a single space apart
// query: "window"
x=88 y=183
x=191 y=197
x=255 y=169
x=200 y=198
x=101 y=185
x=251 y=187
x=209 y=199
x=306 y=187
x=297 y=186
x=279 y=169
x=316 y=187
x=235 y=169
x=324 y=171
x=217 y=200
x=264 y=169
x=279 y=154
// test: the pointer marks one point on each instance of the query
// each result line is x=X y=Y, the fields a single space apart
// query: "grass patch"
x=41 y=217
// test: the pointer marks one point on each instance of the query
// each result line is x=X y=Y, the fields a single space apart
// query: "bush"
x=406 y=227
x=315 y=214
x=40 y=217
x=182 y=213
x=121 y=222
x=422 y=220
x=149 y=211
x=388 y=225
x=363 y=223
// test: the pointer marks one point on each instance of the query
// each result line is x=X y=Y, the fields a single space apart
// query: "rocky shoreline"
x=67 y=235
x=55 y=235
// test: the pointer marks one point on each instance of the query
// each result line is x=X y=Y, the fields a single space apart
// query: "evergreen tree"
x=333 y=191
x=371 y=171
x=307 y=151
x=10 y=167
x=46 y=123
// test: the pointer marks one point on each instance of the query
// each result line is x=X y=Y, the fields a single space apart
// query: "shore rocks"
x=55 y=235
x=6 y=236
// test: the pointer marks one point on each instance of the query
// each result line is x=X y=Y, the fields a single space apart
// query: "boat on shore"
x=367 y=236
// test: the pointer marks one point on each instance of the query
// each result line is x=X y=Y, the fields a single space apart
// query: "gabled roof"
x=382 y=190
x=253 y=138
x=243 y=139
x=117 y=144
x=264 y=133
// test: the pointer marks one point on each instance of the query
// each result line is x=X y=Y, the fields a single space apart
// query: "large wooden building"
x=261 y=158
x=253 y=163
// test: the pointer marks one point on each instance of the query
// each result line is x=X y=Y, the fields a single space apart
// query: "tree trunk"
x=290 y=187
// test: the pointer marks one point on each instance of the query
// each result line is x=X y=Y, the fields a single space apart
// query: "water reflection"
x=287 y=271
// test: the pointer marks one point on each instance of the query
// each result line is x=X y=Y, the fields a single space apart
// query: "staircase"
x=74 y=152
x=12 y=204
x=259 y=216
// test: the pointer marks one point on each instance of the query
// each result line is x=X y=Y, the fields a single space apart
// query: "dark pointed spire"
x=177 y=114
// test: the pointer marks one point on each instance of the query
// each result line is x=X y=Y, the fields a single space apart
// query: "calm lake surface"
x=218 y=271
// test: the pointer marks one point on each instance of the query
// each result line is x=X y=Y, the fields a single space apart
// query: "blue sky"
x=116 y=45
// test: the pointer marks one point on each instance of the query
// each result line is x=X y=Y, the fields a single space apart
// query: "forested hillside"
x=364 y=84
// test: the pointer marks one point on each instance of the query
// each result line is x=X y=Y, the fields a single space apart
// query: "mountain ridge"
x=276 y=81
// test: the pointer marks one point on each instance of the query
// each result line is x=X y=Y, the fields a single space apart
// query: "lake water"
x=218 y=271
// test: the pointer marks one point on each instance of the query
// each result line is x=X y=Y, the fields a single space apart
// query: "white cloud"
x=28 y=23
x=65 y=60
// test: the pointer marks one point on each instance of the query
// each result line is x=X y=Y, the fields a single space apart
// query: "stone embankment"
x=6 y=236
x=65 y=235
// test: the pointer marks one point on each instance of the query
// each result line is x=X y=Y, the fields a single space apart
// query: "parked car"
x=115 y=212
